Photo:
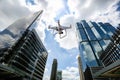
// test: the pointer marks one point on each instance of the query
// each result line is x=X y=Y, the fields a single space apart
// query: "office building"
x=54 y=70
x=110 y=58
x=93 y=38
x=59 y=75
x=22 y=54
x=80 y=68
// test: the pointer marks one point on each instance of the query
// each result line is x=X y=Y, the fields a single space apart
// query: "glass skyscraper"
x=110 y=57
x=22 y=54
x=93 y=38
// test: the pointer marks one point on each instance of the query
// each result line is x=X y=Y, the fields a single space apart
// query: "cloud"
x=11 y=11
x=70 y=73
x=84 y=9
x=46 y=76
x=36 y=5
x=111 y=16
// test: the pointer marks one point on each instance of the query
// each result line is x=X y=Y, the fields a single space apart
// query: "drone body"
x=60 y=29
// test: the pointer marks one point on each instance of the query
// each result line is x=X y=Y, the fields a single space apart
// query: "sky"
x=68 y=12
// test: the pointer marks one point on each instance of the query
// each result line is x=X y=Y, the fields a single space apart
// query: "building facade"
x=54 y=70
x=80 y=68
x=110 y=57
x=93 y=38
x=22 y=54
x=112 y=52
x=59 y=75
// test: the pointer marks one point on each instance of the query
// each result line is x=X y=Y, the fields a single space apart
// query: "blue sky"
x=65 y=58
x=68 y=12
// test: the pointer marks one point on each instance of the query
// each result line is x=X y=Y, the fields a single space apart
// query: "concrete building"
x=59 y=75
x=22 y=54
x=54 y=70
x=80 y=68
x=93 y=39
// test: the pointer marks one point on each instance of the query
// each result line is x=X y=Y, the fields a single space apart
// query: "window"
x=85 y=24
x=106 y=28
x=97 y=48
x=110 y=27
x=83 y=35
x=90 y=34
x=100 y=31
x=91 y=60
x=104 y=43
x=79 y=25
x=96 y=33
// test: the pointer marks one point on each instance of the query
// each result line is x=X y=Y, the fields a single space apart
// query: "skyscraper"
x=110 y=57
x=22 y=54
x=54 y=70
x=93 y=38
x=59 y=75
x=80 y=68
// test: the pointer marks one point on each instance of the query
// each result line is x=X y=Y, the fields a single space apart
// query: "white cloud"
x=95 y=10
x=46 y=76
x=84 y=9
x=11 y=11
x=38 y=5
x=111 y=16
x=70 y=73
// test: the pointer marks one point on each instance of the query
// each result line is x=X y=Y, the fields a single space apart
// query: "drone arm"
x=54 y=28
x=64 y=27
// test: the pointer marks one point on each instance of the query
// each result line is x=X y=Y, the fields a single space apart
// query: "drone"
x=61 y=30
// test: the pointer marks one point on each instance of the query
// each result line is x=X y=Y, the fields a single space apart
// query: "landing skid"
x=63 y=35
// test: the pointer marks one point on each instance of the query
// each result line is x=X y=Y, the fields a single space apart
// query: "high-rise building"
x=59 y=75
x=110 y=57
x=93 y=38
x=80 y=68
x=54 y=70
x=22 y=54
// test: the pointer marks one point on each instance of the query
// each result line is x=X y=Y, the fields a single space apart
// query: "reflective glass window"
x=104 y=43
x=96 y=33
x=100 y=31
x=90 y=34
x=118 y=46
x=84 y=23
x=15 y=30
x=79 y=25
x=97 y=48
x=110 y=27
x=79 y=36
x=89 y=54
x=83 y=55
x=83 y=34
x=89 y=23
x=106 y=28
x=34 y=24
